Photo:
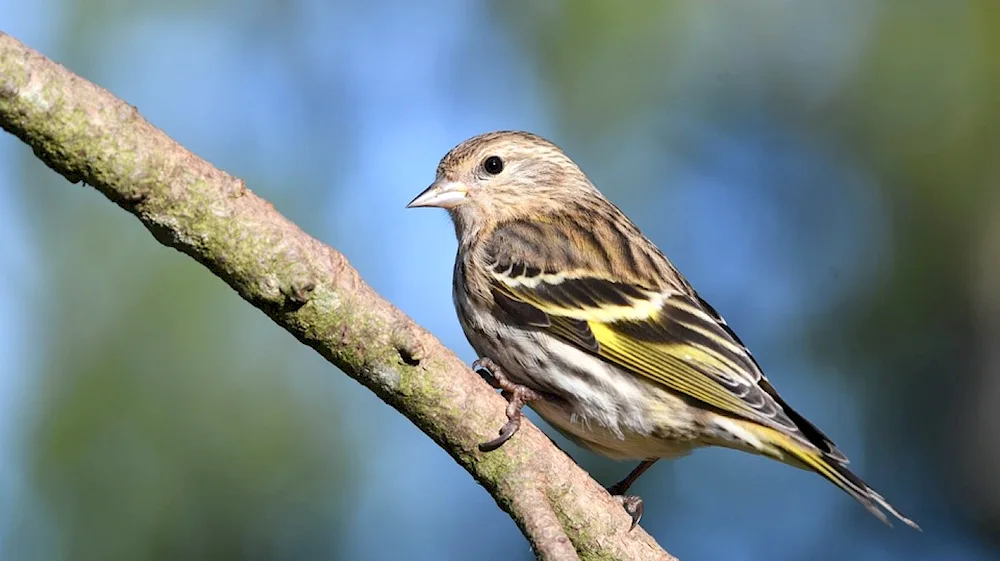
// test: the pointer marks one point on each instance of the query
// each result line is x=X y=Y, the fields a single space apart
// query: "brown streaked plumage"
x=587 y=321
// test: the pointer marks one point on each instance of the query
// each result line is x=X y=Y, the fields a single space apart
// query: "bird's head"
x=501 y=176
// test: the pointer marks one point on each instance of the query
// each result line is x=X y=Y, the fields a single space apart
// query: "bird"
x=578 y=315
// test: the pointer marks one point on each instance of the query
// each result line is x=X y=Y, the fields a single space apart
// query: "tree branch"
x=84 y=133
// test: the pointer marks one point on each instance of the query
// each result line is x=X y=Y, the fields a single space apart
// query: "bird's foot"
x=489 y=371
x=515 y=394
x=632 y=505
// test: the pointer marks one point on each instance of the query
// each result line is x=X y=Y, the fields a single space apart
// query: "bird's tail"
x=789 y=449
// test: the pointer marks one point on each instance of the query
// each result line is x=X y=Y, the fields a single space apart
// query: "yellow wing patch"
x=670 y=365
x=658 y=335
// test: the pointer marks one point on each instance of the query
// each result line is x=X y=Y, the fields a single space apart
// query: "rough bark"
x=86 y=134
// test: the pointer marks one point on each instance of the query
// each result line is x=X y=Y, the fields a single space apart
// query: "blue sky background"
x=815 y=169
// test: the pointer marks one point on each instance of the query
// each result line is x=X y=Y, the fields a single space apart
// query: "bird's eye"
x=493 y=165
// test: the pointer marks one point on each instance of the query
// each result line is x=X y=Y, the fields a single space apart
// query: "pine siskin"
x=578 y=314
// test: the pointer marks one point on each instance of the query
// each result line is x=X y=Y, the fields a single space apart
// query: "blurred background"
x=826 y=173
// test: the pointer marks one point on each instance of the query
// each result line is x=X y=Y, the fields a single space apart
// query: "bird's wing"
x=667 y=334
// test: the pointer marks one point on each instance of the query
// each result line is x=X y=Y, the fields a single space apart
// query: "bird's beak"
x=441 y=194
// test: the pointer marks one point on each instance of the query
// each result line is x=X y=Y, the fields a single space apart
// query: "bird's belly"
x=593 y=403
x=620 y=444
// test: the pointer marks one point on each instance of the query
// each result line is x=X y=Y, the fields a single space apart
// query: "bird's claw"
x=517 y=396
x=631 y=503
x=633 y=506
x=486 y=368
x=506 y=431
